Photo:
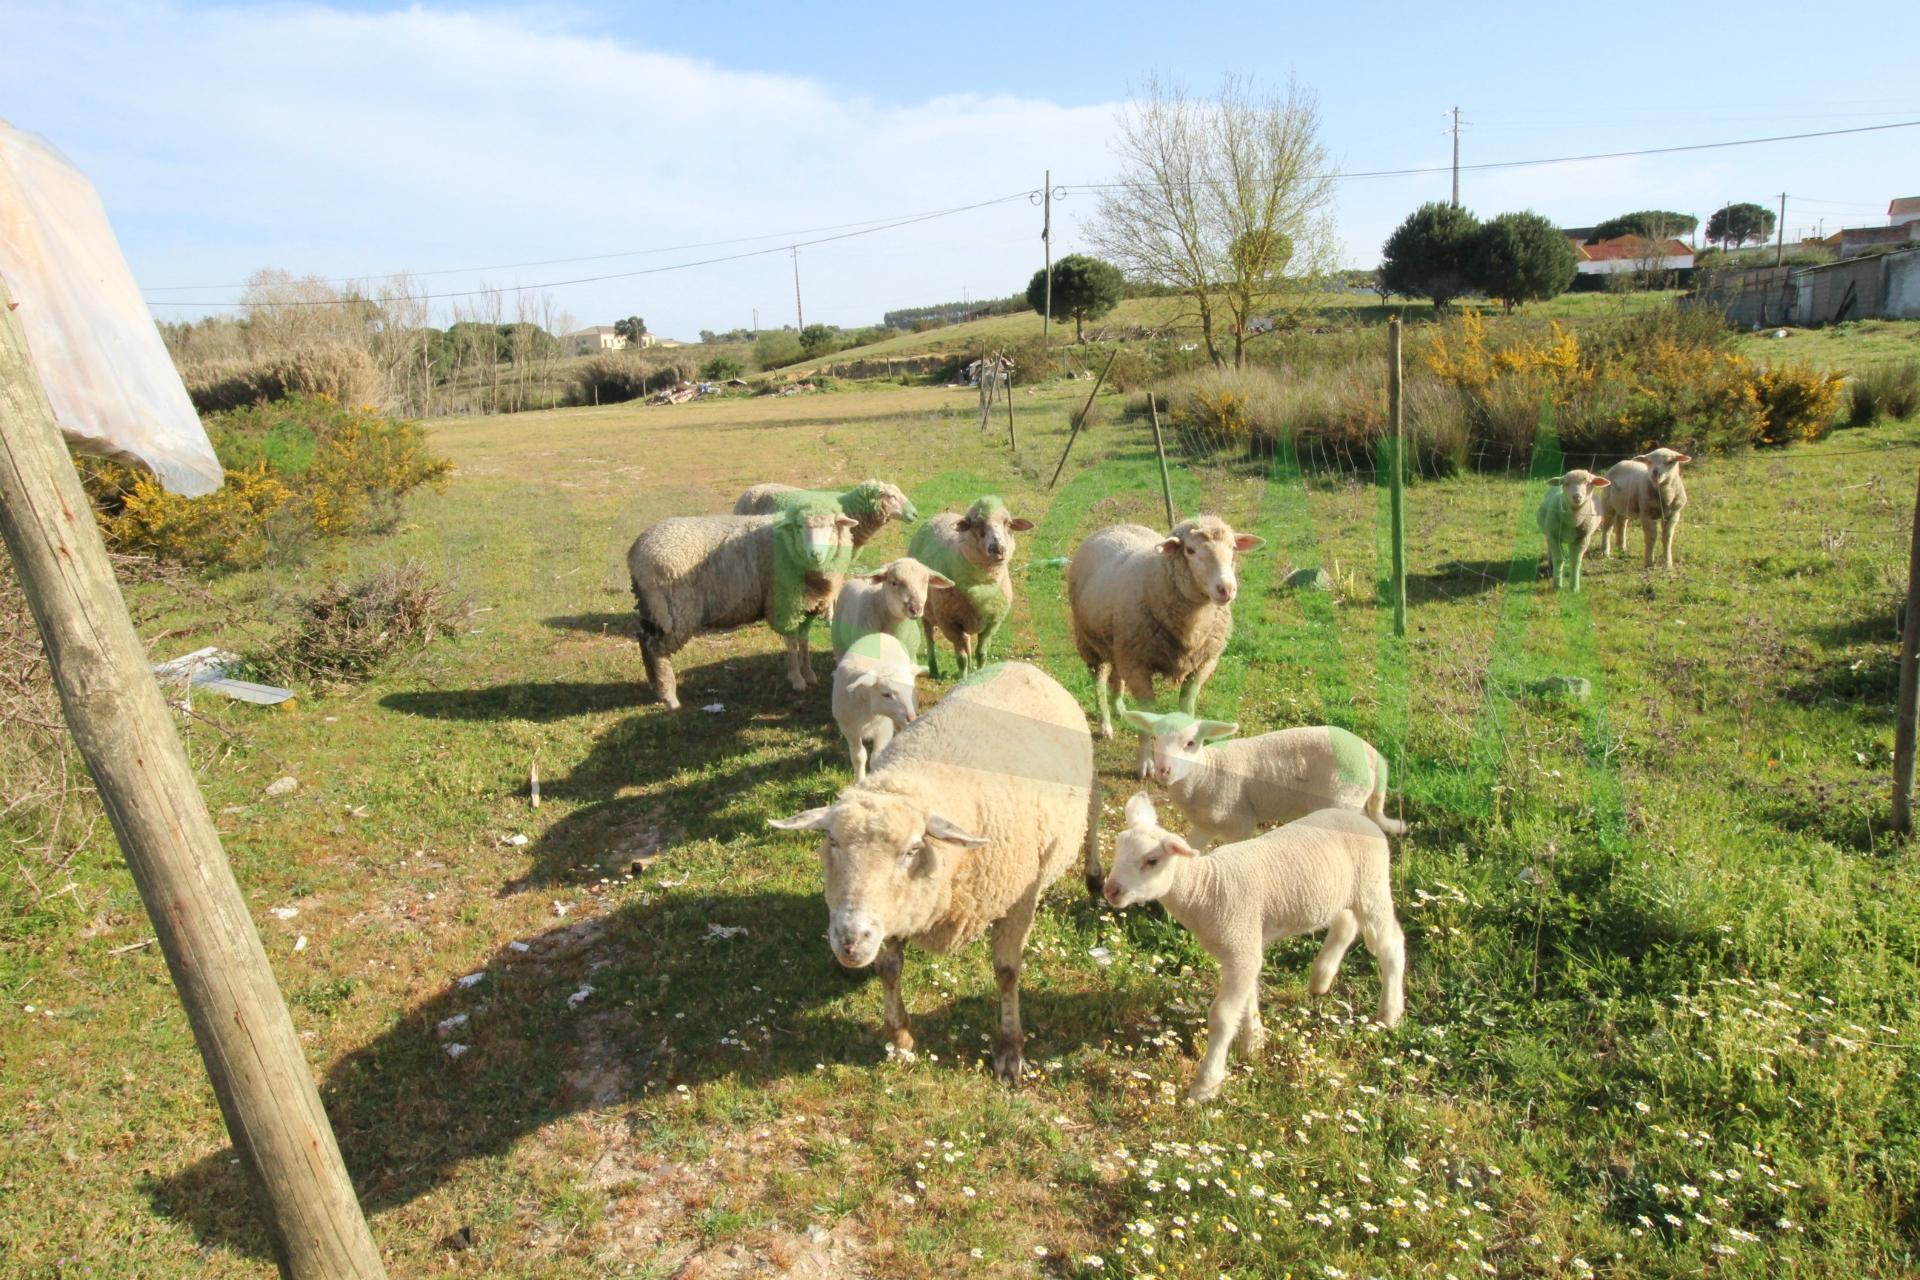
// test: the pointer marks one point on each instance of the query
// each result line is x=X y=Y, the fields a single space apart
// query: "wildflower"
x=1095 y=1261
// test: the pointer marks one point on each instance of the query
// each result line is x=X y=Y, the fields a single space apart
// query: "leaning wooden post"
x=1160 y=451
x=1903 y=721
x=1080 y=418
x=126 y=735
x=1013 y=439
x=1397 y=483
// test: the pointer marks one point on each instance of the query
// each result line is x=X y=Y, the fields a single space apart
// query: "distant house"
x=601 y=337
x=1904 y=210
x=1854 y=241
x=1630 y=253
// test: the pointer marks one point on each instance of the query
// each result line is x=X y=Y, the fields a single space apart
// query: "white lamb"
x=1569 y=516
x=873 y=694
x=1233 y=790
x=1648 y=489
x=1146 y=604
x=891 y=599
x=974 y=810
x=1328 y=870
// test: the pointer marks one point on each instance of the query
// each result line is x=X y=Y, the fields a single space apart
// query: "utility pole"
x=1905 y=715
x=1456 y=157
x=1780 y=245
x=756 y=322
x=799 y=315
x=1046 y=246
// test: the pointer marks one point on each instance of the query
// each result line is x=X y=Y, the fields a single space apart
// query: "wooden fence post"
x=1903 y=722
x=1160 y=450
x=1080 y=418
x=125 y=732
x=1397 y=483
x=1013 y=439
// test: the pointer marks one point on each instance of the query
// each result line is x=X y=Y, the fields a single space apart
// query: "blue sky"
x=350 y=140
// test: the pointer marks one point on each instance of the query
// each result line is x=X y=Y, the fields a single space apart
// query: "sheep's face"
x=906 y=583
x=1177 y=739
x=1206 y=546
x=1579 y=486
x=888 y=864
x=820 y=543
x=890 y=693
x=895 y=504
x=1145 y=857
x=1664 y=463
x=987 y=533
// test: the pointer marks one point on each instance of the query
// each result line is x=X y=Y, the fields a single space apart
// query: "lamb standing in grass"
x=871 y=503
x=1235 y=790
x=709 y=573
x=1569 y=516
x=1327 y=870
x=1648 y=489
x=968 y=816
x=1147 y=605
x=873 y=695
x=891 y=600
x=972 y=551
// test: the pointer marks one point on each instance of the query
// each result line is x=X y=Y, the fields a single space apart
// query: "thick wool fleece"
x=988 y=592
x=866 y=502
x=810 y=557
x=1234 y=789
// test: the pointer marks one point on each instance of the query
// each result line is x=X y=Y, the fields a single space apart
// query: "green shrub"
x=720 y=369
x=617 y=377
x=346 y=374
x=296 y=470
x=1886 y=391
x=347 y=630
x=776 y=348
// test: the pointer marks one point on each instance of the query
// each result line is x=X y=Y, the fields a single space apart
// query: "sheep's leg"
x=1580 y=543
x=1102 y=672
x=1096 y=875
x=1667 y=526
x=1326 y=966
x=1139 y=683
x=805 y=635
x=1389 y=947
x=1239 y=978
x=1190 y=694
x=1650 y=532
x=660 y=674
x=887 y=965
x=982 y=645
x=1009 y=944
x=1253 y=1033
x=933 y=648
x=858 y=750
x=1553 y=564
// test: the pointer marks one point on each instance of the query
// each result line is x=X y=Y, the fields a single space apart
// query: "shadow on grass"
x=606 y=623
x=672 y=1003
x=1458 y=579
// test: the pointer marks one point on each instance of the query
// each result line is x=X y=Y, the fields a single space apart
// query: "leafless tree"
x=1227 y=199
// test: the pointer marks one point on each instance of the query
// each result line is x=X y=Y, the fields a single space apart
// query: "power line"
x=620 y=275
x=1524 y=164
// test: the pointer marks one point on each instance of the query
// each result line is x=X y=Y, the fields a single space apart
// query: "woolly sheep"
x=1328 y=870
x=1648 y=489
x=972 y=551
x=871 y=502
x=889 y=600
x=1147 y=605
x=972 y=812
x=707 y=573
x=873 y=694
x=1569 y=516
x=1233 y=790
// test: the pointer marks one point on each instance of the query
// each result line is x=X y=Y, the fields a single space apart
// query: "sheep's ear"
x=845 y=522
x=1019 y=525
x=938 y=581
x=952 y=833
x=1600 y=482
x=1175 y=845
x=920 y=670
x=967 y=524
x=1247 y=542
x=1557 y=481
x=1168 y=546
x=1641 y=457
x=1683 y=458
x=811 y=820
x=1141 y=720
x=1214 y=730
x=865 y=680
x=1140 y=811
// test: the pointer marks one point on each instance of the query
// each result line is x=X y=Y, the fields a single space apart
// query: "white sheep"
x=871 y=503
x=693 y=574
x=1648 y=489
x=966 y=819
x=1328 y=870
x=971 y=551
x=1147 y=605
x=1233 y=790
x=1569 y=516
x=873 y=695
x=891 y=599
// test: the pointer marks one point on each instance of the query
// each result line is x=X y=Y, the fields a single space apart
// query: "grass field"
x=1662 y=955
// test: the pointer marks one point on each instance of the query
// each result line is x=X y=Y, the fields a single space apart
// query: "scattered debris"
x=283 y=786
x=725 y=931
x=457 y=1051
x=300 y=943
x=533 y=782
x=640 y=866
x=447 y=1026
x=1315 y=579
x=284 y=913
x=561 y=908
x=714 y=708
x=207 y=669
x=579 y=997
x=471 y=979
x=1050 y=562
x=1572 y=688
x=1101 y=956
x=459 y=1241
x=520 y=947
x=516 y=840
x=131 y=946
x=671 y=884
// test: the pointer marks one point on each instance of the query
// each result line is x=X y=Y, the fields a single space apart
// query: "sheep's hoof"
x=1106 y=729
x=1096 y=887
x=1008 y=1065
x=1203 y=1091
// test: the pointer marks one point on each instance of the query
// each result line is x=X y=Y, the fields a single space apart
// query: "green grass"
x=1850 y=345
x=1659 y=945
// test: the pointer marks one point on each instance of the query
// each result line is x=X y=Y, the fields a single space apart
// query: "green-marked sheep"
x=892 y=599
x=871 y=503
x=972 y=551
x=1569 y=516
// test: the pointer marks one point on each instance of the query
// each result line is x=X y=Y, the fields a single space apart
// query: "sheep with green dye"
x=1569 y=516
x=871 y=503
x=972 y=551
x=890 y=600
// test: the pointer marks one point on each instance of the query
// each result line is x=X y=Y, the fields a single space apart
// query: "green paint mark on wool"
x=1352 y=757
x=806 y=541
x=862 y=500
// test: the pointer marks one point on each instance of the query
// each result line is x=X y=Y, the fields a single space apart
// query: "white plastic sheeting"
x=107 y=374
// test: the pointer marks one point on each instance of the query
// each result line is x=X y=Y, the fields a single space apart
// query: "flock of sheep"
x=959 y=820
x=1646 y=489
